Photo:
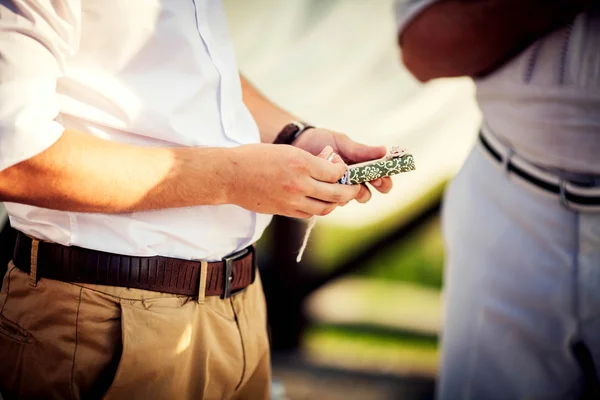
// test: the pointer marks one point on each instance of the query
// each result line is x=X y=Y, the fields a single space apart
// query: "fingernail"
x=376 y=182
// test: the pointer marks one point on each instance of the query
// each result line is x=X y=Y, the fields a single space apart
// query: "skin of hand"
x=270 y=118
x=351 y=152
x=286 y=180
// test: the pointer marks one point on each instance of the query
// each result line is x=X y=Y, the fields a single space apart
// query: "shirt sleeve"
x=407 y=10
x=36 y=39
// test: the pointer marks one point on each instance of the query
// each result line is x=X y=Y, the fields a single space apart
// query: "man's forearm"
x=83 y=173
x=470 y=38
x=269 y=117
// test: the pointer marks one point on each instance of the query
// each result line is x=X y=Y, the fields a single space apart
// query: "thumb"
x=326 y=152
x=356 y=152
x=329 y=163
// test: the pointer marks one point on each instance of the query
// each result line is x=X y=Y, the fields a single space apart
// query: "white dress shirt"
x=545 y=102
x=144 y=72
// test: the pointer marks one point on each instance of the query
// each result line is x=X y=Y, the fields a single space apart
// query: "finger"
x=333 y=192
x=354 y=152
x=315 y=207
x=337 y=159
x=364 y=194
x=300 y=214
x=383 y=185
x=326 y=171
x=326 y=153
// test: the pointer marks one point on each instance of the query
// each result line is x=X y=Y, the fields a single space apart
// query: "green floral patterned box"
x=395 y=162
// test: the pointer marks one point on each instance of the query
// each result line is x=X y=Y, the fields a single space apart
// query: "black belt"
x=160 y=274
x=570 y=197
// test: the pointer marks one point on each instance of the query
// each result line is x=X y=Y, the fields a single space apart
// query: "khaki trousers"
x=61 y=340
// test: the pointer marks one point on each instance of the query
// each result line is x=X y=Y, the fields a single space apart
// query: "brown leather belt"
x=160 y=274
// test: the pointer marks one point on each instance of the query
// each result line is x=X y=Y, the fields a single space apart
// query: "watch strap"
x=291 y=132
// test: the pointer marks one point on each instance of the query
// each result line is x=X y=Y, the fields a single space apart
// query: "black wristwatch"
x=291 y=132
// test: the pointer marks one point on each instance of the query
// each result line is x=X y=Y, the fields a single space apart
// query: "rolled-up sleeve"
x=36 y=40
x=407 y=10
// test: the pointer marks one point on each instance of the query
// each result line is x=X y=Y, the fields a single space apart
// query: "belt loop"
x=33 y=264
x=202 y=286
x=506 y=160
x=563 y=193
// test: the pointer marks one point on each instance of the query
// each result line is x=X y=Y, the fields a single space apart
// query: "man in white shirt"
x=522 y=218
x=133 y=169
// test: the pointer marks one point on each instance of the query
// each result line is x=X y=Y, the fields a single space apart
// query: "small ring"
x=331 y=157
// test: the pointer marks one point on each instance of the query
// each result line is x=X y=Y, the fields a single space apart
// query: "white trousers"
x=522 y=289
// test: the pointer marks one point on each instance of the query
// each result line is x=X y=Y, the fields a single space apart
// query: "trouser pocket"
x=13 y=340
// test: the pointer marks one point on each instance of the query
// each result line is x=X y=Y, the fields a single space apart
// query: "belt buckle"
x=228 y=270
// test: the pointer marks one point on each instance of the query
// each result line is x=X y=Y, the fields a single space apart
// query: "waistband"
x=159 y=274
x=572 y=195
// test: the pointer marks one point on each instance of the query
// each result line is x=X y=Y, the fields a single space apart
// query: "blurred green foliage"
x=417 y=259
x=331 y=244
x=401 y=285
x=372 y=349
